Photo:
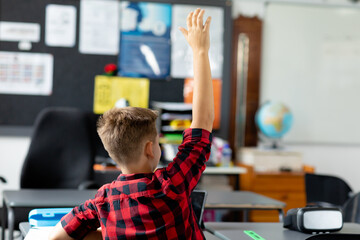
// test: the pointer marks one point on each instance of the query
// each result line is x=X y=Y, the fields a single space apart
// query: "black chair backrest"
x=60 y=153
x=326 y=189
x=97 y=145
x=351 y=209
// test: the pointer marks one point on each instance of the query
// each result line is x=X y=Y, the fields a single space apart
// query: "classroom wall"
x=341 y=160
x=12 y=154
x=335 y=159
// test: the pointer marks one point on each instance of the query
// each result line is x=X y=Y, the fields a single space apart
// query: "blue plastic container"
x=46 y=217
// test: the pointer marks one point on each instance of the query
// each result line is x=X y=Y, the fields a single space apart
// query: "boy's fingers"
x=207 y=24
x=184 y=31
x=188 y=20
x=194 y=17
x=200 y=18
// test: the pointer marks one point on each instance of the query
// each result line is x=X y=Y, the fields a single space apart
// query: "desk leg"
x=245 y=215
x=3 y=221
x=281 y=215
x=237 y=183
x=234 y=181
x=11 y=222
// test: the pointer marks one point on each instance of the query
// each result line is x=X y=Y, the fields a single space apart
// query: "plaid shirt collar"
x=134 y=176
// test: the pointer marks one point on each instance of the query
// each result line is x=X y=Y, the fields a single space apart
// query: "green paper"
x=253 y=235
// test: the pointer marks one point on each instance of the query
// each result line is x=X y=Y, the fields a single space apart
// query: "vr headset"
x=314 y=220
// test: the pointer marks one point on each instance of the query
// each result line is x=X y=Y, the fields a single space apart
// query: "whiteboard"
x=311 y=63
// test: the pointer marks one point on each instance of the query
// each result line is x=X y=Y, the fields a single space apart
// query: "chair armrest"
x=2 y=179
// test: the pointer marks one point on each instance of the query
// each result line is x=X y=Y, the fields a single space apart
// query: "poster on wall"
x=60 y=25
x=145 y=40
x=181 y=53
x=110 y=91
x=26 y=73
x=99 y=27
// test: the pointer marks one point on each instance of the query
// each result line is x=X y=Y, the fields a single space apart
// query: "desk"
x=243 y=200
x=39 y=199
x=268 y=231
x=106 y=174
x=236 y=200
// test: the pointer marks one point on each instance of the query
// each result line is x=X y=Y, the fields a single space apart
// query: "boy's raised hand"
x=197 y=34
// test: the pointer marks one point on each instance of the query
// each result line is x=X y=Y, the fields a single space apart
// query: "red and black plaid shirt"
x=150 y=205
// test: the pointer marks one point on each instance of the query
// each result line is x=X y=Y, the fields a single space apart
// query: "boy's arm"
x=94 y=235
x=58 y=233
x=78 y=223
x=189 y=163
x=197 y=35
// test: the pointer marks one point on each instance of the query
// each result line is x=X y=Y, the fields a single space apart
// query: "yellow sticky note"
x=108 y=90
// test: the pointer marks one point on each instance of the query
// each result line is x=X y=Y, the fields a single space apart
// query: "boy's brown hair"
x=124 y=130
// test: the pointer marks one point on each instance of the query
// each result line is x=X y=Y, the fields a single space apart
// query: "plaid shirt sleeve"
x=189 y=163
x=81 y=220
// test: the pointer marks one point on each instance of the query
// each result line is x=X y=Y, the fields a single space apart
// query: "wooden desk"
x=39 y=199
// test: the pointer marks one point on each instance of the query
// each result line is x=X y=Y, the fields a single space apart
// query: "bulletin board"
x=311 y=59
x=74 y=72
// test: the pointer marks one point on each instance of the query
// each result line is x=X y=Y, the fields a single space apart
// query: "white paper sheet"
x=99 y=27
x=19 y=31
x=41 y=233
x=181 y=54
x=60 y=25
x=26 y=73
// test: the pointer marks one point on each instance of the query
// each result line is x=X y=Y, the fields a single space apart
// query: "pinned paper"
x=26 y=73
x=99 y=27
x=188 y=96
x=181 y=53
x=60 y=27
x=109 y=90
x=145 y=36
x=19 y=31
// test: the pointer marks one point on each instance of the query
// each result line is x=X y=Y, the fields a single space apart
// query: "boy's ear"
x=149 y=149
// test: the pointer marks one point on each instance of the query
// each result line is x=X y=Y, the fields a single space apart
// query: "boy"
x=143 y=203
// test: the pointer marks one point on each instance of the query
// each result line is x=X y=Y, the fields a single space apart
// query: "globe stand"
x=270 y=143
x=276 y=144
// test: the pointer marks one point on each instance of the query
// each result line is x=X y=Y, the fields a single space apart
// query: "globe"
x=274 y=119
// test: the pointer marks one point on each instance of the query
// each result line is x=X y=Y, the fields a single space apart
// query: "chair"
x=326 y=191
x=60 y=153
x=2 y=180
x=351 y=209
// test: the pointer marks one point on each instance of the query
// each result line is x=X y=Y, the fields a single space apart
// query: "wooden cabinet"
x=288 y=187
